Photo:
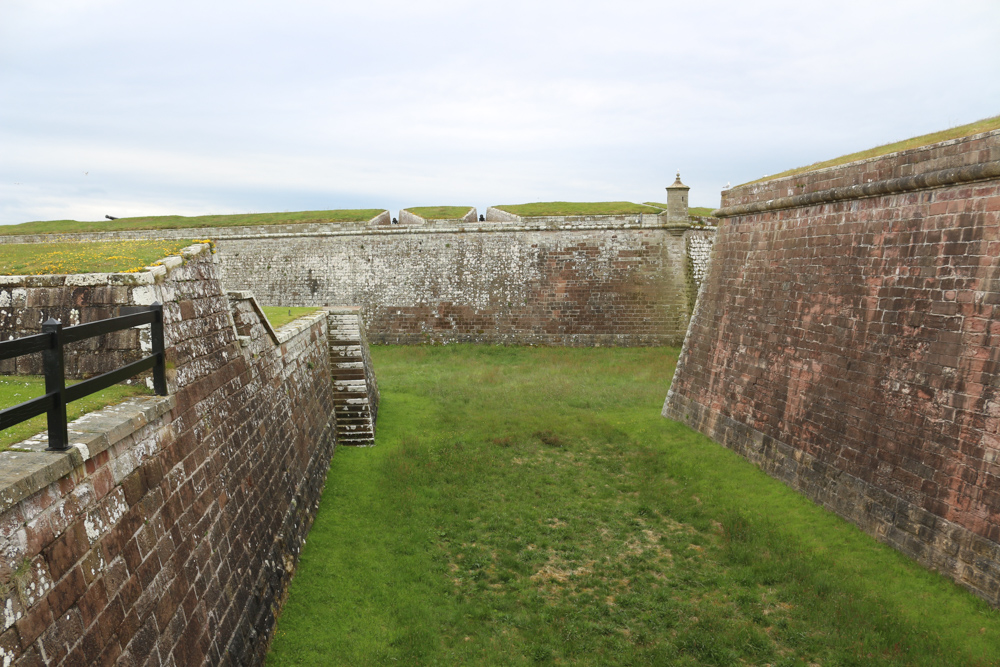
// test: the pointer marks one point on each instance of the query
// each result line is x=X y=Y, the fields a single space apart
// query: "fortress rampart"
x=168 y=531
x=557 y=280
x=847 y=340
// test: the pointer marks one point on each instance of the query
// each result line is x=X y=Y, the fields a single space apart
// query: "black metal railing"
x=50 y=343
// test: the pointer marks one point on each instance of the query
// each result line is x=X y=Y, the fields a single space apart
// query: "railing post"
x=55 y=384
x=156 y=336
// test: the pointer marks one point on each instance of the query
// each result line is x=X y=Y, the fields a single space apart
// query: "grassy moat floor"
x=530 y=506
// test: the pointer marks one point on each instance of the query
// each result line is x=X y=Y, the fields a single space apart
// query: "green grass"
x=578 y=208
x=183 y=222
x=530 y=506
x=16 y=389
x=440 y=212
x=18 y=259
x=703 y=211
x=281 y=315
x=984 y=125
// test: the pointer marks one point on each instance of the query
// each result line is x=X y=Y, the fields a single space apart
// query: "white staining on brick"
x=10 y=616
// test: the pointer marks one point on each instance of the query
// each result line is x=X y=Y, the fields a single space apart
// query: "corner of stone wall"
x=410 y=219
x=494 y=214
x=381 y=220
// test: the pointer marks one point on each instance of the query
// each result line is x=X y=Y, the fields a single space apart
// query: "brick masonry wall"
x=589 y=284
x=577 y=280
x=168 y=532
x=850 y=347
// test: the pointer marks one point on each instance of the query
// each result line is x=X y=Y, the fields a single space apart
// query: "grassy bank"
x=38 y=259
x=530 y=506
x=440 y=212
x=984 y=125
x=16 y=389
x=578 y=208
x=184 y=222
x=702 y=211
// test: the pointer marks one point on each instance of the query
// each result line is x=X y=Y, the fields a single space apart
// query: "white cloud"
x=230 y=106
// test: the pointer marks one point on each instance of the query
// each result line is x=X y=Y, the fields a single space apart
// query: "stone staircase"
x=355 y=390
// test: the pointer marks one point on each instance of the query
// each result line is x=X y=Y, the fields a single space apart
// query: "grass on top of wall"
x=279 y=316
x=958 y=132
x=578 y=208
x=16 y=389
x=36 y=259
x=184 y=222
x=440 y=212
x=531 y=506
x=701 y=211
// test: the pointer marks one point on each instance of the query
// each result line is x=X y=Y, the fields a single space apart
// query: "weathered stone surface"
x=568 y=282
x=170 y=531
x=563 y=280
x=848 y=347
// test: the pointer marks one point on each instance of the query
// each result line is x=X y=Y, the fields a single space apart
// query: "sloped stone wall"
x=846 y=340
x=168 y=532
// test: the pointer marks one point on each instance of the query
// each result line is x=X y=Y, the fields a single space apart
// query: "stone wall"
x=169 y=530
x=557 y=280
x=846 y=340
x=579 y=283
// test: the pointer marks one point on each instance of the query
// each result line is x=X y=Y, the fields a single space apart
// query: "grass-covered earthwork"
x=578 y=208
x=702 y=211
x=984 y=125
x=440 y=212
x=281 y=315
x=530 y=506
x=16 y=389
x=184 y=222
x=35 y=259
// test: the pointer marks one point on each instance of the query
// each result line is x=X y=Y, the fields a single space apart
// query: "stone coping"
x=247 y=295
x=933 y=179
x=582 y=223
x=25 y=472
x=290 y=330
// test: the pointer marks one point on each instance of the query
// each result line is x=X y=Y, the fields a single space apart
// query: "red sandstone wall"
x=852 y=347
x=168 y=537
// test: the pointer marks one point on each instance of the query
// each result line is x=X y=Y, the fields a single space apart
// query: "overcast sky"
x=196 y=107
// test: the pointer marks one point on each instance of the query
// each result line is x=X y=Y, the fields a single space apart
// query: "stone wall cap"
x=30 y=468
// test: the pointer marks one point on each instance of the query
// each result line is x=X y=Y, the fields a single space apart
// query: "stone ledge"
x=289 y=331
x=247 y=295
x=23 y=473
x=933 y=179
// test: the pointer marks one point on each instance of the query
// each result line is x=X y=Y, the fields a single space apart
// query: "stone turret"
x=677 y=201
